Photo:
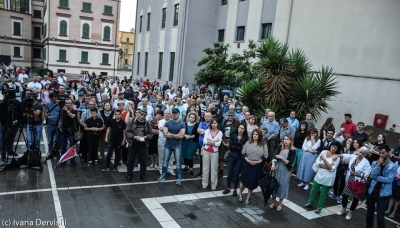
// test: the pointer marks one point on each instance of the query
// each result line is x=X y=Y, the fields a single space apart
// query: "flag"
x=71 y=153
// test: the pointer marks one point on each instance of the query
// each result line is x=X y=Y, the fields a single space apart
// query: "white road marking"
x=56 y=198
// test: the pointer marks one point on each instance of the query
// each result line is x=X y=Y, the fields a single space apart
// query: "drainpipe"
x=115 y=37
x=290 y=21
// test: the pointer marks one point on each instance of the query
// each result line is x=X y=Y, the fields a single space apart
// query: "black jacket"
x=290 y=158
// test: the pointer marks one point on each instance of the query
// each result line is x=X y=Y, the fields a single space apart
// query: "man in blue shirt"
x=203 y=126
x=174 y=131
x=286 y=129
x=51 y=114
x=292 y=120
x=270 y=136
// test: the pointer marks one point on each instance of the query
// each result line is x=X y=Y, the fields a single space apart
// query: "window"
x=221 y=35
x=266 y=31
x=171 y=66
x=148 y=21
x=140 y=23
x=17 y=52
x=63 y=28
x=37 y=53
x=44 y=54
x=224 y=2
x=87 y=6
x=21 y=6
x=17 y=28
x=2 y=4
x=127 y=51
x=125 y=61
x=84 y=56
x=44 y=30
x=64 y=4
x=127 y=39
x=62 y=55
x=108 y=10
x=106 y=33
x=105 y=58
x=138 y=63
x=146 y=58
x=240 y=33
x=37 y=14
x=85 y=30
x=176 y=14
x=160 y=63
x=37 y=32
x=164 y=17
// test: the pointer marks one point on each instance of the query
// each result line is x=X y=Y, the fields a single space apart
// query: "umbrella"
x=268 y=184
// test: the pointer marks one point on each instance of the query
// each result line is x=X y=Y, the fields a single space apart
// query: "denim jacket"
x=388 y=174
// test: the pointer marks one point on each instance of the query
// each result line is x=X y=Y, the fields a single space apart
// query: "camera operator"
x=10 y=118
x=52 y=111
x=33 y=112
x=67 y=128
x=13 y=84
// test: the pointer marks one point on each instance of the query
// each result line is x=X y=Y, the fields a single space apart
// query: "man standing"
x=174 y=131
x=120 y=98
x=93 y=127
x=339 y=135
x=203 y=126
x=128 y=93
x=16 y=86
x=159 y=104
x=310 y=122
x=67 y=129
x=348 y=125
x=273 y=131
x=138 y=134
x=148 y=108
x=45 y=80
x=360 y=133
x=326 y=142
x=35 y=87
x=21 y=76
x=116 y=127
x=242 y=116
x=61 y=79
x=228 y=128
x=383 y=173
x=52 y=111
x=165 y=88
x=286 y=129
x=292 y=120
x=35 y=123
x=161 y=143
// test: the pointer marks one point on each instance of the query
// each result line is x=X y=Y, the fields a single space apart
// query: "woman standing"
x=74 y=88
x=282 y=164
x=328 y=125
x=235 y=159
x=359 y=167
x=212 y=140
x=190 y=142
x=251 y=125
x=45 y=94
x=325 y=175
x=340 y=179
x=125 y=117
x=357 y=143
x=299 y=138
x=107 y=114
x=255 y=153
x=153 y=146
x=310 y=152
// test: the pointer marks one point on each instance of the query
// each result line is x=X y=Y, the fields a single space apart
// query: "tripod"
x=32 y=149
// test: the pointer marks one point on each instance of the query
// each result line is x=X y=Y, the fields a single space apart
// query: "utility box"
x=380 y=121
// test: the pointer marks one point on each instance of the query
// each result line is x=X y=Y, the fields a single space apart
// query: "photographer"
x=67 y=129
x=10 y=118
x=52 y=111
x=33 y=112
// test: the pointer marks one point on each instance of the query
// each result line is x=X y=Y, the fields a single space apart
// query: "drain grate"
x=191 y=216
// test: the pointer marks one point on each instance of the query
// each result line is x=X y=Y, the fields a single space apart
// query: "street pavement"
x=79 y=196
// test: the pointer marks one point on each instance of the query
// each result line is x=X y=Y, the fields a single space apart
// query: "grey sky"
x=128 y=13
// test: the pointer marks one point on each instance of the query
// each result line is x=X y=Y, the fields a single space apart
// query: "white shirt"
x=185 y=91
x=339 y=138
x=115 y=104
x=150 y=112
x=307 y=145
x=161 y=124
x=362 y=167
x=21 y=77
x=171 y=95
x=61 y=80
x=324 y=176
x=35 y=86
x=45 y=82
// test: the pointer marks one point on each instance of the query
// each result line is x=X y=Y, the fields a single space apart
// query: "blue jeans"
x=38 y=130
x=52 y=135
x=111 y=147
x=65 y=137
x=234 y=167
x=177 y=149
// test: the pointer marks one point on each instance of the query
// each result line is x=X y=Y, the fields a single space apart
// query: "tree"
x=285 y=82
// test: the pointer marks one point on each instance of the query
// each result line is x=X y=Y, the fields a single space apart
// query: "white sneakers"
x=306 y=187
x=302 y=184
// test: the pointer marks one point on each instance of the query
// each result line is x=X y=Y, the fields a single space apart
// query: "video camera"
x=29 y=100
x=61 y=101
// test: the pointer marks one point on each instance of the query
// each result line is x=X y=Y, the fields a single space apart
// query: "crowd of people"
x=132 y=120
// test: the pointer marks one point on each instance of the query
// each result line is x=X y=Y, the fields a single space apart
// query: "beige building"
x=126 y=42
x=21 y=32
x=81 y=36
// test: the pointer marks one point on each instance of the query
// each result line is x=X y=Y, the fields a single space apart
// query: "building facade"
x=81 y=36
x=126 y=42
x=21 y=32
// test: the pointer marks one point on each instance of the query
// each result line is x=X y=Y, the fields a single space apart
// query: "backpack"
x=34 y=158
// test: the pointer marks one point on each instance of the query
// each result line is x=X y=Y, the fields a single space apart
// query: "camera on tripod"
x=61 y=101
x=29 y=100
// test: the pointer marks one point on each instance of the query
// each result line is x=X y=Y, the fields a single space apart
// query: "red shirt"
x=349 y=128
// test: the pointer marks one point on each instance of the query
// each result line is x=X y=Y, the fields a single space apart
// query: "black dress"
x=153 y=144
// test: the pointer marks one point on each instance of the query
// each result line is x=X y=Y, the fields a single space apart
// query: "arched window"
x=127 y=39
x=85 y=30
x=63 y=28
x=106 y=33
x=127 y=51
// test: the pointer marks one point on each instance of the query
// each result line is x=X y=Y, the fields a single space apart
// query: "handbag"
x=315 y=167
x=209 y=149
x=358 y=186
x=78 y=135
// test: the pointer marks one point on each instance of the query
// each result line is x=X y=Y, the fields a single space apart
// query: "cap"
x=175 y=110
x=231 y=113
x=81 y=94
x=136 y=91
x=120 y=93
x=143 y=110
x=68 y=90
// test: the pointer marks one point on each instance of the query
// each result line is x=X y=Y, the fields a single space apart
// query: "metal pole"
x=115 y=37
